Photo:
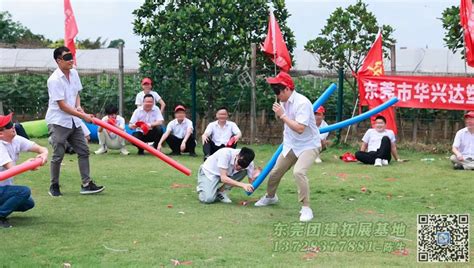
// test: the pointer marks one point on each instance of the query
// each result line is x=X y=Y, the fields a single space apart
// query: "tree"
x=214 y=36
x=346 y=38
x=16 y=34
x=453 y=36
x=115 y=43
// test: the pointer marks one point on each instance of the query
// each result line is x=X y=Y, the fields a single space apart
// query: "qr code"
x=443 y=238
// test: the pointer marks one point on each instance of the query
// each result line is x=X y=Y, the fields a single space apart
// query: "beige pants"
x=466 y=164
x=302 y=164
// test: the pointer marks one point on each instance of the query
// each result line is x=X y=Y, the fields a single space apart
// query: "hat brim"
x=6 y=119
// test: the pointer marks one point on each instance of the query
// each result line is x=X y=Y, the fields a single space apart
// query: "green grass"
x=132 y=215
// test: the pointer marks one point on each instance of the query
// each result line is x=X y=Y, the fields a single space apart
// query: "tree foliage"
x=14 y=33
x=453 y=35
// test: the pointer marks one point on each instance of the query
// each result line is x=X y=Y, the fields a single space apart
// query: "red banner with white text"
x=429 y=92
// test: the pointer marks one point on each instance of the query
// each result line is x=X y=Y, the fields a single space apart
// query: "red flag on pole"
x=70 y=28
x=467 y=22
x=275 y=46
x=373 y=66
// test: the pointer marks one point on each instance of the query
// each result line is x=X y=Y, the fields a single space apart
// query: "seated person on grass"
x=320 y=123
x=146 y=121
x=228 y=166
x=463 y=146
x=219 y=133
x=109 y=140
x=179 y=134
x=14 y=197
x=378 y=144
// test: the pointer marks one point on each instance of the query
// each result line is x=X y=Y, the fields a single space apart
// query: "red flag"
x=373 y=66
x=467 y=22
x=275 y=46
x=70 y=28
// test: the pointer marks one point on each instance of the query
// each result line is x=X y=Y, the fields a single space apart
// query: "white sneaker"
x=318 y=161
x=124 y=151
x=378 y=162
x=222 y=197
x=384 y=162
x=265 y=201
x=101 y=150
x=306 y=214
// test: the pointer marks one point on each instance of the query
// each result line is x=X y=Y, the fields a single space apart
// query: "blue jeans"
x=15 y=198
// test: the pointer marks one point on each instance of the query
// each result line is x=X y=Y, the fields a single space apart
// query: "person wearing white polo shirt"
x=227 y=166
x=109 y=140
x=64 y=121
x=463 y=145
x=320 y=123
x=301 y=143
x=14 y=197
x=220 y=133
x=179 y=134
x=146 y=121
x=147 y=84
x=378 y=145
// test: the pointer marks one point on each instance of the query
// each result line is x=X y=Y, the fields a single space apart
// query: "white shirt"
x=323 y=136
x=224 y=158
x=374 y=138
x=119 y=121
x=10 y=152
x=221 y=135
x=148 y=117
x=179 y=129
x=464 y=141
x=141 y=95
x=300 y=109
x=60 y=88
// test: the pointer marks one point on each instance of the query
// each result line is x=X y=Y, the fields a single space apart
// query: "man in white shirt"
x=221 y=133
x=109 y=140
x=463 y=145
x=147 y=84
x=64 y=121
x=301 y=142
x=320 y=123
x=146 y=121
x=378 y=145
x=179 y=134
x=228 y=166
x=14 y=197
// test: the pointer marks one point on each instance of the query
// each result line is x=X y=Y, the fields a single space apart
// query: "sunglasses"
x=67 y=57
x=277 y=88
x=10 y=125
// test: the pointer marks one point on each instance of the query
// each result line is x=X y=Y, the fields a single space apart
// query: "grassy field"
x=149 y=215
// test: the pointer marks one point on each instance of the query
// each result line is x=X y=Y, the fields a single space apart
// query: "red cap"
x=469 y=114
x=146 y=81
x=321 y=110
x=179 y=108
x=5 y=119
x=282 y=78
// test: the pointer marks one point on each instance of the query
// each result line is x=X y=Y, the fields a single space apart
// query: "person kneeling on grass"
x=378 y=144
x=463 y=146
x=109 y=140
x=14 y=197
x=179 y=134
x=228 y=166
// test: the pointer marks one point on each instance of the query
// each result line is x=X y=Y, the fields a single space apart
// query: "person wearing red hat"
x=147 y=85
x=14 y=197
x=301 y=142
x=109 y=140
x=179 y=134
x=64 y=121
x=146 y=121
x=320 y=123
x=463 y=145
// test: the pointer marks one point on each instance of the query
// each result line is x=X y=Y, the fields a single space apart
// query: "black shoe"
x=141 y=152
x=458 y=167
x=193 y=154
x=4 y=223
x=54 y=190
x=174 y=153
x=91 y=188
